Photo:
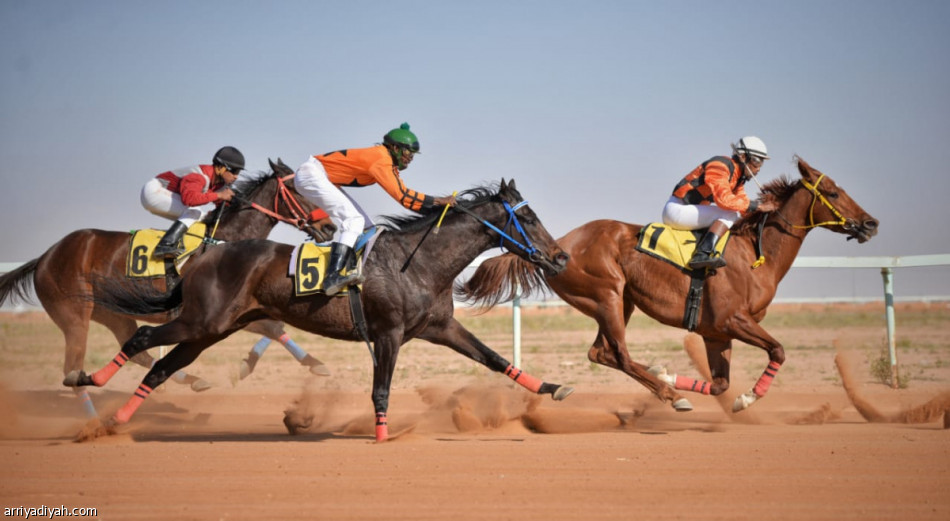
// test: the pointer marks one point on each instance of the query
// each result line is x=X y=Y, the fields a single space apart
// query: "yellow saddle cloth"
x=140 y=262
x=308 y=266
x=674 y=246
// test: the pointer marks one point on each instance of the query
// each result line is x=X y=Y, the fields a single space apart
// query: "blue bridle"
x=528 y=248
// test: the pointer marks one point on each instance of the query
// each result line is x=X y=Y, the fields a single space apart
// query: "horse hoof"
x=562 y=393
x=682 y=405
x=744 y=401
x=319 y=370
x=73 y=378
x=660 y=373
x=200 y=385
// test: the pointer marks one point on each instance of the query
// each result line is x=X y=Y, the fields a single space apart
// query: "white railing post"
x=889 y=306
x=516 y=326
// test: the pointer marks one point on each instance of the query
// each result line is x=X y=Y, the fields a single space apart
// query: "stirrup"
x=168 y=251
x=336 y=282
x=707 y=261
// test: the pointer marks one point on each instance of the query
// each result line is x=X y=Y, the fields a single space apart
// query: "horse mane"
x=409 y=223
x=245 y=185
x=778 y=190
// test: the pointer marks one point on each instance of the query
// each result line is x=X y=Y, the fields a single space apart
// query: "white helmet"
x=752 y=146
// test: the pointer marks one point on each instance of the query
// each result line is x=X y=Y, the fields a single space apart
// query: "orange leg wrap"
x=127 y=410
x=685 y=383
x=765 y=381
x=382 y=427
x=523 y=379
x=103 y=375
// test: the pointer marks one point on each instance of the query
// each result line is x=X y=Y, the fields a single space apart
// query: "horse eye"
x=833 y=195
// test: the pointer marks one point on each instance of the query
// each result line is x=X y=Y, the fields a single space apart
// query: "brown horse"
x=608 y=277
x=69 y=275
x=407 y=293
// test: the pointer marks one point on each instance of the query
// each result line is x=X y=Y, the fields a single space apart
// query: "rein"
x=512 y=218
x=299 y=220
x=816 y=197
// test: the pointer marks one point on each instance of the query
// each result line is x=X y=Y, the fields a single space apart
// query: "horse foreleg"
x=386 y=350
x=179 y=357
x=749 y=331
x=454 y=336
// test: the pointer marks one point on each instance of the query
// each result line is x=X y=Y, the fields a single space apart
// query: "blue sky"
x=596 y=109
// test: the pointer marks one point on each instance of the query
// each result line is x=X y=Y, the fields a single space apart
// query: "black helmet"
x=230 y=157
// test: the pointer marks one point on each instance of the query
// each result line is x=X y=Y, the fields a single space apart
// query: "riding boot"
x=170 y=246
x=705 y=256
x=336 y=280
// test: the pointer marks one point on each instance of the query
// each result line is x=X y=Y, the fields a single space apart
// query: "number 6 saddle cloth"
x=674 y=246
x=140 y=262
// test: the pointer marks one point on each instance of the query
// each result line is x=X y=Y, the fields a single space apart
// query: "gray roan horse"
x=71 y=274
x=407 y=293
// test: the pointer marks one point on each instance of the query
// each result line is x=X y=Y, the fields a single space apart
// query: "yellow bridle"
x=819 y=197
x=816 y=196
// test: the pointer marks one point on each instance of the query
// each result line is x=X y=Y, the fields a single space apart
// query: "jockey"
x=180 y=195
x=319 y=180
x=713 y=196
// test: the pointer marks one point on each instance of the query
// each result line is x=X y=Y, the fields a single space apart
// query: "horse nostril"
x=870 y=224
x=562 y=258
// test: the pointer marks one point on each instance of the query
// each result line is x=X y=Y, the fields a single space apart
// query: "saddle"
x=676 y=247
x=141 y=264
x=308 y=263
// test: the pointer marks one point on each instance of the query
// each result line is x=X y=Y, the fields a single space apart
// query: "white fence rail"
x=885 y=264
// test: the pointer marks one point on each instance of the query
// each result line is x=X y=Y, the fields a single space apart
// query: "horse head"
x=833 y=208
x=522 y=224
x=817 y=201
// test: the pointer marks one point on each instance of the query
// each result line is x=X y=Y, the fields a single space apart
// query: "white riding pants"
x=682 y=216
x=311 y=181
x=161 y=201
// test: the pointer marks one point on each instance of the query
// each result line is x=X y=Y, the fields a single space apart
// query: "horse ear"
x=503 y=186
x=511 y=185
x=273 y=167
x=806 y=171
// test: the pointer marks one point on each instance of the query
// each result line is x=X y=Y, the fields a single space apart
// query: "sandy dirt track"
x=470 y=446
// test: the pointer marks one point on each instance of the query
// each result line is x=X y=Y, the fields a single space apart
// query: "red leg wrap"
x=685 y=383
x=765 y=381
x=103 y=375
x=382 y=427
x=523 y=379
x=127 y=410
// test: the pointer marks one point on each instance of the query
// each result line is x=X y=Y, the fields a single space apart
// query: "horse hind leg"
x=72 y=318
x=610 y=349
x=144 y=338
x=274 y=330
x=179 y=357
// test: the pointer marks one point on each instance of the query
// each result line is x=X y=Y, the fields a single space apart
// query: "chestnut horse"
x=608 y=277
x=406 y=294
x=69 y=275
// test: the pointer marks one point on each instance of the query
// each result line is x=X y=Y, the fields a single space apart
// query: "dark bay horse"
x=69 y=275
x=407 y=293
x=608 y=278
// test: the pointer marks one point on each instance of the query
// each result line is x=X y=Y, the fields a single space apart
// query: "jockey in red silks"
x=183 y=195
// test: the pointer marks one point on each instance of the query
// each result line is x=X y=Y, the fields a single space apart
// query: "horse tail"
x=17 y=285
x=495 y=281
x=135 y=299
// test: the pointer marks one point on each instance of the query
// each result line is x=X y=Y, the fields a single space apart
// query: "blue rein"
x=512 y=218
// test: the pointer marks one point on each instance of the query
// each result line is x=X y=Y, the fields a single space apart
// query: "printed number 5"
x=311 y=273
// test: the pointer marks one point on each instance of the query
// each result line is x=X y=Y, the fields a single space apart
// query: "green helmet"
x=402 y=137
